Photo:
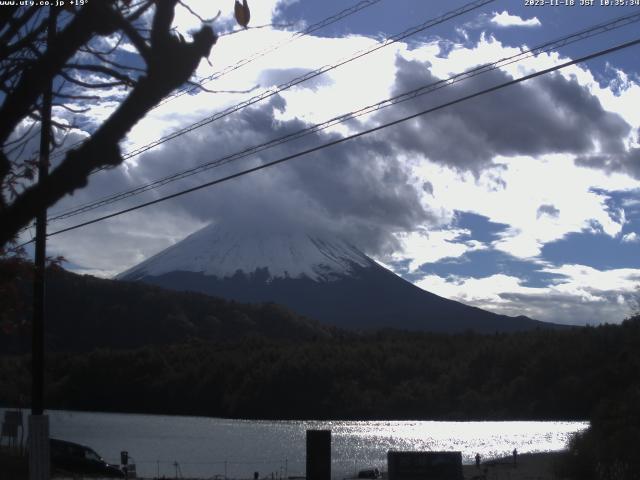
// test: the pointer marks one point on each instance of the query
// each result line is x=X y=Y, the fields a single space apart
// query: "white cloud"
x=425 y=246
x=631 y=237
x=581 y=295
x=581 y=279
x=512 y=192
x=505 y=19
x=471 y=290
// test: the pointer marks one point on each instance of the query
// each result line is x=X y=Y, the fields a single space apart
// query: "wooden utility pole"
x=39 y=462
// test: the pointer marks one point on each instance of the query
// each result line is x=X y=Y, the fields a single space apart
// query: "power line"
x=312 y=28
x=256 y=55
x=350 y=137
x=310 y=75
x=423 y=90
x=303 y=78
x=391 y=40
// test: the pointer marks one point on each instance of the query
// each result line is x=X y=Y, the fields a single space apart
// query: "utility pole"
x=39 y=462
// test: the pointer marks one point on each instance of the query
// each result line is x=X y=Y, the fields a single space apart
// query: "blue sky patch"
x=484 y=263
x=482 y=229
x=388 y=18
x=597 y=250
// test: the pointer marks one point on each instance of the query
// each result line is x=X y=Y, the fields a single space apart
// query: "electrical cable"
x=312 y=28
x=303 y=78
x=256 y=55
x=350 y=137
x=423 y=90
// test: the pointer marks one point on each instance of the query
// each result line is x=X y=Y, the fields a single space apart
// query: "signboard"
x=424 y=465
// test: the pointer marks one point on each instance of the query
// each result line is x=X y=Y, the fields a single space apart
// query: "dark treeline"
x=541 y=374
x=84 y=313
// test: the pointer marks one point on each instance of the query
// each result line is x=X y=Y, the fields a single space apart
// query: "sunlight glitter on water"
x=372 y=440
x=205 y=447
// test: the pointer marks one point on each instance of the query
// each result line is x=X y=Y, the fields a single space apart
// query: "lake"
x=208 y=447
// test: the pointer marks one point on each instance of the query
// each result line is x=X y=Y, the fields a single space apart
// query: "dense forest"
x=535 y=375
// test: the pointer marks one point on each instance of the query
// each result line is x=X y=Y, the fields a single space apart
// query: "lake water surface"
x=209 y=447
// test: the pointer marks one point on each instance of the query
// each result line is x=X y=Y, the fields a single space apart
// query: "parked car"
x=369 y=473
x=73 y=458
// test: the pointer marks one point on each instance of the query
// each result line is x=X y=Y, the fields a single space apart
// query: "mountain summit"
x=221 y=253
x=314 y=274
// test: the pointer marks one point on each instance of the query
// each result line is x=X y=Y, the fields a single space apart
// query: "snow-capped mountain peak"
x=219 y=252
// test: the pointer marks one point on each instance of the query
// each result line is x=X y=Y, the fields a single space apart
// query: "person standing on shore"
x=477 y=460
x=515 y=457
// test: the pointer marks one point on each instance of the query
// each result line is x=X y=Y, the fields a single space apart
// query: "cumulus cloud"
x=631 y=237
x=547 y=115
x=360 y=190
x=505 y=19
x=581 y=295
x=627 y=161
x=549 y=210
x=423 y=246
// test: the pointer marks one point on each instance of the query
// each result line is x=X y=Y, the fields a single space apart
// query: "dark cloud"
x=626 y=162
x=549 y=210
x=272 y=77
x=359 y=188
x=550 y=114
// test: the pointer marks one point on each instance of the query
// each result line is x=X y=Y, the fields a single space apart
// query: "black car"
x=369 y=473
x=72 y=458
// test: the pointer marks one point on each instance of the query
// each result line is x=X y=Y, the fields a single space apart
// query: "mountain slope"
x=84 y=313
x=316 y=275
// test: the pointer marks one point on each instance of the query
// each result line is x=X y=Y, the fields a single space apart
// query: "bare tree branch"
x=140 y=11
x=170 y=62
x=18 y=23
x=104 y=59
x=136 y=39
x=7 y=49
x=124 y=79
x=21 y=137
x=76 y=97
x=82 y=83
x=63 y=126
x=71 y=109
x=195 y=14
x=91 y=50
x=95 y=17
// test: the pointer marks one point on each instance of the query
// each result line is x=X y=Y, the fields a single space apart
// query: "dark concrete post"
x=318 y=454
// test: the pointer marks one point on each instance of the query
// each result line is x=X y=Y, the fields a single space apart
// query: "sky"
x=524 y=201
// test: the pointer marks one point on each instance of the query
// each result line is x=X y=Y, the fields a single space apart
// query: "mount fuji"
x=314 y=274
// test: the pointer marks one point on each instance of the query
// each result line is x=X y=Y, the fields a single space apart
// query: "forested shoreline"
x=541 y=374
